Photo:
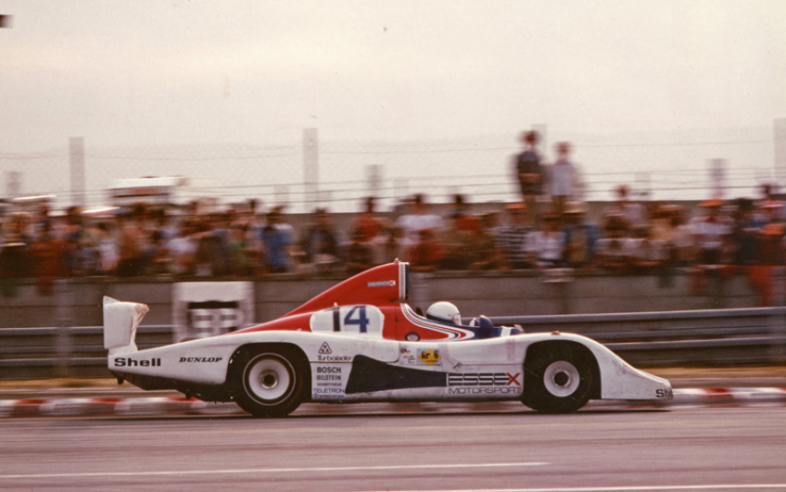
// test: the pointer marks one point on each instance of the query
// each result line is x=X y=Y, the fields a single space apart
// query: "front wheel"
x=558 y=379
x=272 y=384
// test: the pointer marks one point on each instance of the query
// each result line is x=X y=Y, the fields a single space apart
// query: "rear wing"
x=121 y=320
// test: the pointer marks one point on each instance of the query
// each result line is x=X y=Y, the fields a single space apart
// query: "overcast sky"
x=161 y=72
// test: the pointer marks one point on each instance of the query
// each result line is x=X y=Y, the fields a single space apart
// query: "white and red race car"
x=359 y=341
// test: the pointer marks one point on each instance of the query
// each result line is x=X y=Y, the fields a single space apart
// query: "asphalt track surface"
x=709 y=448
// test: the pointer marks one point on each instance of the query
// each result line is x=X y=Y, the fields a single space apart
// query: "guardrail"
x=60 y=352
x=716 y=337
x=721 y=337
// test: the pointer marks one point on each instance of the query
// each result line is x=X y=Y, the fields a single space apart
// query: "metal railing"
x=658 y=339
x=703 y=337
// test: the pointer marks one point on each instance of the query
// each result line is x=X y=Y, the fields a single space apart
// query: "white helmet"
x=444 y=311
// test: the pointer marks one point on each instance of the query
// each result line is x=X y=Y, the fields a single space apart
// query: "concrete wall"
x=78 y=302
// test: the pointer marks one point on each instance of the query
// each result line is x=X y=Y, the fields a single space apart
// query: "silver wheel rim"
x=269 y=379
x=561 y=378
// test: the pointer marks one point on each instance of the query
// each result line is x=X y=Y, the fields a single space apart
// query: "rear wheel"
x=558 y=378
x=272 y=383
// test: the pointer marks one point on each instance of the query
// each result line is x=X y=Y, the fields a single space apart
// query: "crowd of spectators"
x=551 y=232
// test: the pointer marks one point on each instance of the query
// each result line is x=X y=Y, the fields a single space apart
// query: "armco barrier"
x=717 y=337
x=702 y=337
x=44 y=353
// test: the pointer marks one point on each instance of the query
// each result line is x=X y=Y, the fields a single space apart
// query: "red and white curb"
x=165 y=406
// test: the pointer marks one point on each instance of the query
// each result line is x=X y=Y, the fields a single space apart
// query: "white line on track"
x=634 y=488
x=144 y=473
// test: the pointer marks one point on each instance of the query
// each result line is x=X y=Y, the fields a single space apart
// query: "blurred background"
x=145 y=145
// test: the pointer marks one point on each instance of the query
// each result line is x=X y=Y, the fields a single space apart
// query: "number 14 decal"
x=361 y=320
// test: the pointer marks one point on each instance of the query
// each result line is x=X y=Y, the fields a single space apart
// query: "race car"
x=343 y=347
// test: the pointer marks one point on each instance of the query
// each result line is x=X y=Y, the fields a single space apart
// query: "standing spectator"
x=427 y=254
x=240 y=254
x=610 y=249
x=392 y=248
x=487 y=255
x=666 y=228
x=212 y=253
x=512 y=238
x=182 y=249
x=131 y=244
x=219 y=223
x=580 y=237
x=546 y=245
x=358 y=254
x=564 y=179
x=76 y=255
x=530 y=173
x=744 y=233
x=373 y=230
x=457 y=244
x=277 y=237
x=419 y=219
x=107 y=249
x=47 y=254
x=321 y=242
x=158 y=254
x=711 y=239
x=632 y=213
x=711 y=233
x=465 y=221
x=14 y=255
x=769 y=252
x=643 y=254
x=368 y=224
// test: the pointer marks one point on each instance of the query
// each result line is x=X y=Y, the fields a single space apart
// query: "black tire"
x=272 y=382
x=558 y=378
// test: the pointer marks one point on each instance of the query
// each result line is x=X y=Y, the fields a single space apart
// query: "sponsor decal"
x=383 y=283
x=664 y=393
x=505 y=390
x=324 y=355
x=328 y=391
x=131 y=362
x=214 y=316
x=204 y=309
x=430 y=357
x=201 y=359
x=328 y=373
x=334 y=358
x=407 y=357
x=484 y=379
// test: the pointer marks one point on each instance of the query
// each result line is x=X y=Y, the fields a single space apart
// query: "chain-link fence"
x=657 y=166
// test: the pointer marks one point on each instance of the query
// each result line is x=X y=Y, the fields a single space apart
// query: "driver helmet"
x=444 y=311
